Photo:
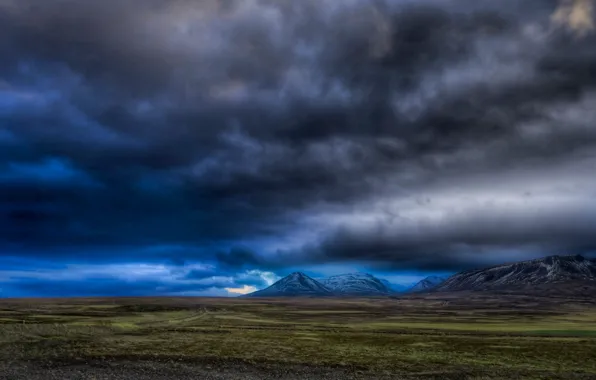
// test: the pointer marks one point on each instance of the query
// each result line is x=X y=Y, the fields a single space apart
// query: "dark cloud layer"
x=309 y=132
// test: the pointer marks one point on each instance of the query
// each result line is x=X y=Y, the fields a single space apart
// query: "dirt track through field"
x=180 y=320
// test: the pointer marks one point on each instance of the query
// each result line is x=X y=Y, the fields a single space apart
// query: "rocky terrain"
x=552 y=270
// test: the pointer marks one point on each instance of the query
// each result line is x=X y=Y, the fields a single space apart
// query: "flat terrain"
x=443 y=336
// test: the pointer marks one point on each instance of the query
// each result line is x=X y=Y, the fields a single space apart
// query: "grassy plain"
x=475 y=336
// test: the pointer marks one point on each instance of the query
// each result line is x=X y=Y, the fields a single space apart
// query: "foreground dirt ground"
x=446 y=336
x=153 y=370
x=156 y=370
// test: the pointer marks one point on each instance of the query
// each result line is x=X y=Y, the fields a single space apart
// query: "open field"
x=441 y=336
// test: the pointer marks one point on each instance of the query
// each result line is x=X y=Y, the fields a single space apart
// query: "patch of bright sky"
x=577 y=15
x=243 y=290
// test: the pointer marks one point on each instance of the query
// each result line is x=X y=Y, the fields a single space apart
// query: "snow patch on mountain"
x=355 y=284
x=295 y=284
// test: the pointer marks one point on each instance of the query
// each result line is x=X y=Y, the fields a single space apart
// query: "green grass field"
x=415 y=337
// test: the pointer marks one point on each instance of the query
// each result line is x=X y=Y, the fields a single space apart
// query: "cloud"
x=30 y=278
x=244 y=290
x=202 y=273
x=50 y=172
x=258 y=135
x=578 y=15
x=469 y=223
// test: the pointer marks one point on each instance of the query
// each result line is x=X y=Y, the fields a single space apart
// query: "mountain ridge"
x=428 y=283
x=356 y=284
x=294 y=285
x=529 y=275
x=546 y=270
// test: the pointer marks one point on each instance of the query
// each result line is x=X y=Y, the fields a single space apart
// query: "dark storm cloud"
x=224 y=123
x=464 y=242
x=238 y=256
x=200 y=274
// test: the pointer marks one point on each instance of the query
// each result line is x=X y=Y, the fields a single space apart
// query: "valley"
x=526 y=320
x=475 y=335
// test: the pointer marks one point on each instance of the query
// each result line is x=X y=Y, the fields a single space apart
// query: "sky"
x=180 y=147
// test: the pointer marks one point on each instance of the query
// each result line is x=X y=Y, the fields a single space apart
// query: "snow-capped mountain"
x=548 y=270
x=296 y=284
x=426 y=284
x=355 y=284
x=515 y=276
x=351 y=284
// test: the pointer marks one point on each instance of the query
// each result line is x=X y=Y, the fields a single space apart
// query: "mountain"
x=564 y=274
x=426 y=284
x=395 y=288
x=552 y=270
x=356 y=284
x=296 y=284
x=351 y=284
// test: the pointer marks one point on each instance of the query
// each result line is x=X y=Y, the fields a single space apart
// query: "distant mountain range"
x=299 y=284
x=395 y=288
x=296 y=284
x=548 y=270
x=356 y=284
x=519 y=275
x=426 y=284
x=351 y=284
